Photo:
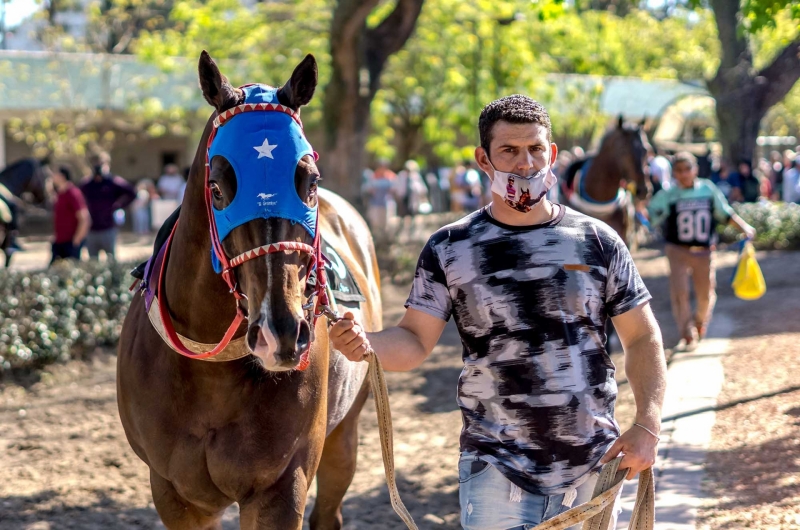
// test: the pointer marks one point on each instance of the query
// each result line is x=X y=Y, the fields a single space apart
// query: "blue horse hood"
x=263 y=148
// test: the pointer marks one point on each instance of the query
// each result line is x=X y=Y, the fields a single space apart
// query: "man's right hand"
x=349 y=338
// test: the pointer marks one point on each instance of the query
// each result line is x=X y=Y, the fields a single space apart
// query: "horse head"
x=631 y=145
x=261 y=191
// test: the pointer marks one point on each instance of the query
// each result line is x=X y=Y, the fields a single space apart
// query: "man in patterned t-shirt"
x=688 y=215
x=530 y=285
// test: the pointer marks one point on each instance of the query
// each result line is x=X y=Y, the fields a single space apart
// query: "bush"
x=777 y=224
x=62 y=312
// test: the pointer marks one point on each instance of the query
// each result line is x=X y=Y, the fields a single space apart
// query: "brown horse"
x=604 y=186
x=254 y=430
x=22 y=184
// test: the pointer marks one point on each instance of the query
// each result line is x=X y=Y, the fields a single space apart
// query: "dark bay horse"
x=254 y=430
x=22 y=182
x=605 y=185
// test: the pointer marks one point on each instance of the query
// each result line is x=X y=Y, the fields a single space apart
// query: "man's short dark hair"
x=513 y=109
x=64 y=170
x=684 y=157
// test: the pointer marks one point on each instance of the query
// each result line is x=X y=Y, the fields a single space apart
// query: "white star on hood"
x=265 y=149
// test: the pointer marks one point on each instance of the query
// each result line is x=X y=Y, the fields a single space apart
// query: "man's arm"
x=646 y=368
x=84 y=221
x=126 y=193
x=400 y=348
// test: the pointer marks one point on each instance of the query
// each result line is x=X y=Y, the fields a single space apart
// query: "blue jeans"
x=489 y=501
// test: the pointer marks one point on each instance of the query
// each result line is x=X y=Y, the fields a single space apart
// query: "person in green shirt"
x=687 y=215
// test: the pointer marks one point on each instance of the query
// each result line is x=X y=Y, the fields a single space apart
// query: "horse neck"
x=602 y=180
x=198 y=299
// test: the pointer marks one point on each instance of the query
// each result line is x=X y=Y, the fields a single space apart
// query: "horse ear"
x=643 y=122
x=620 y=121
x=219 y=93
x=299 y=89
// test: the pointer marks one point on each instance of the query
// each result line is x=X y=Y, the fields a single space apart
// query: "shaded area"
x=732 y=404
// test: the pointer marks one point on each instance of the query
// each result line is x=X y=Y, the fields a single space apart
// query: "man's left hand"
x=639 y=449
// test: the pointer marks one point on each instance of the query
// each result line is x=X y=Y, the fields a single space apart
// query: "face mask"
x=522 y=193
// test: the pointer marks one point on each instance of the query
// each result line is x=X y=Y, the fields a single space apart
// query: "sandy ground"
x=66 y=463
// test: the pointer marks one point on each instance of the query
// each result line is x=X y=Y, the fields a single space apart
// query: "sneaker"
x=701 y=332
x=687 y=344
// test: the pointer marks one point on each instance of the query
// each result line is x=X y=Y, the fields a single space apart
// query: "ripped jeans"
x=489 y=501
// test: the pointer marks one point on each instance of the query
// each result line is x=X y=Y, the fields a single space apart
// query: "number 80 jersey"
x=689 y=216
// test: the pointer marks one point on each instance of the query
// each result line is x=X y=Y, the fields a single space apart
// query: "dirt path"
x=66 y=463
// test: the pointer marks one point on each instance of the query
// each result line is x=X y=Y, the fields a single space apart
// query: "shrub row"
x=777 y=225
x=61 y=312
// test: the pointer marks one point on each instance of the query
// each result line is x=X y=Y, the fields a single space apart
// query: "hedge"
x=777 y=225
x=65 y=311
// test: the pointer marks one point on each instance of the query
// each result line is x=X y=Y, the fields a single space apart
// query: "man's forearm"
x=646 y=368
x=398 y=349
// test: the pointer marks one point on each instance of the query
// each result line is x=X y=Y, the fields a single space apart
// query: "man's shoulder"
x=574 y=219
x=457 y=230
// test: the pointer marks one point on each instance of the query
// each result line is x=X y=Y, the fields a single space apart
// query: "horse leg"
x=280 y=507
x=336 y=468
x=176 y=512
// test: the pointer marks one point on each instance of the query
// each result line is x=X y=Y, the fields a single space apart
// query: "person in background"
x=748 y=183
x=660 y=172
x=688 y=214
x=105 y=193
x=776 y=175
x=141 y=207
x=170 y=183
x=71 y=218
x=380 y=201
x=791 y=182
x=727 y=182
x=471 y=184
x=410 y=191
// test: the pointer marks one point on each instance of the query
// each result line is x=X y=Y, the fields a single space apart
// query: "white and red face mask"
x=522 y=193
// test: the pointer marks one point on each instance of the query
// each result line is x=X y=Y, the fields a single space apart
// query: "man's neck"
x=541 y=213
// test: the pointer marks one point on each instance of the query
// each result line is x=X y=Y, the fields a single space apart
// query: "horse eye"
x=216 y=191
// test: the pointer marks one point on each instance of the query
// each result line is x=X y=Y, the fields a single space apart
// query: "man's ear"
x=219 y=93
x=553 y=153
x=482 y=159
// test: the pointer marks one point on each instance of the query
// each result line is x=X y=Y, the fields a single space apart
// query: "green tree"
x=744 y=89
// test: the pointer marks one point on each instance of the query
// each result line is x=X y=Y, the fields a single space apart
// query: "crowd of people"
x=90 y=213
x=465 y=188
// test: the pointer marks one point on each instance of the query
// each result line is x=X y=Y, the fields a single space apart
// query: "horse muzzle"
x=279 y=345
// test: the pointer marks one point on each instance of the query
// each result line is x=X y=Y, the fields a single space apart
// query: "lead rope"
x=380 y=393
x=595 y=514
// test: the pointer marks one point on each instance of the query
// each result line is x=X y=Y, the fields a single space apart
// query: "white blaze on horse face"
x=267 y=348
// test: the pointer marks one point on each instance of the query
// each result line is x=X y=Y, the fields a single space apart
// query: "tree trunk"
x=358 y=56
x=739 y=108
x=743 y=95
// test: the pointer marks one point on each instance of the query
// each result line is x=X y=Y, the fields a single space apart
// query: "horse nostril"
x=253 y=331
x=303 y=337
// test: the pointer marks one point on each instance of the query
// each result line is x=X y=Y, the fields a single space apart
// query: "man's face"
x=684 y=173
x=520 y=148
x=58 y=179
x=744 y=170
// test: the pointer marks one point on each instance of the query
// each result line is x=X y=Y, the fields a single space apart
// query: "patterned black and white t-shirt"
x=537 y=391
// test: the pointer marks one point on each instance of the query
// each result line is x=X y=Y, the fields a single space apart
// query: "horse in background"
x=278 y=406
x=21 y=183
x=607 y=184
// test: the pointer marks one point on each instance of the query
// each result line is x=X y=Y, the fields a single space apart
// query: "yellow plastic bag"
x=748 y=282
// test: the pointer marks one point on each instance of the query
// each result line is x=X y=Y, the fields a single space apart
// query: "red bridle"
x=318 y=298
